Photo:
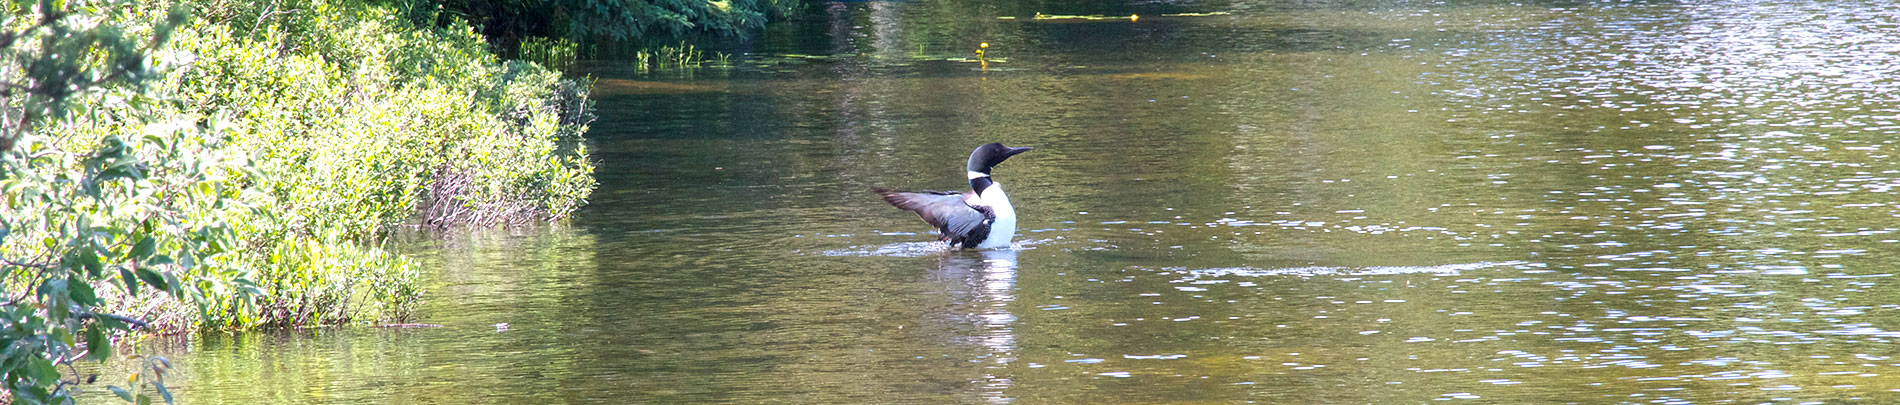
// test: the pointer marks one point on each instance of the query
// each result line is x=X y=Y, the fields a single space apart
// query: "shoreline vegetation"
x=175 y=166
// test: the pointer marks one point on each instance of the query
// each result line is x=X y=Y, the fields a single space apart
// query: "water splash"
x=921 y=249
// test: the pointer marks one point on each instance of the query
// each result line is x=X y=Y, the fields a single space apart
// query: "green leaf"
x=43 y=370
x=121 y=170
x=32 y=394
x=89 y=259
x=162 y=392
x=131 y=282
x=154 y=138
x=173 y=285
x=52 y=288
x=121 y=392
x=153 y=278
x=248 y=288
x=110 y=147
x=143 y=249
x=62 y=335
x=98 y=343
x=113 y=324
x=81 y=292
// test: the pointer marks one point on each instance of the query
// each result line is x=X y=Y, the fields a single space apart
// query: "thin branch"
x=41 y=266
x=69 y=364
x=134 y=322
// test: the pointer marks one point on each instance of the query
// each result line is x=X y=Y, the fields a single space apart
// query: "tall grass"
x=553 y=53
x=682 y=56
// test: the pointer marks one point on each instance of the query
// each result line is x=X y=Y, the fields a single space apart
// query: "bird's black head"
x=988 y=156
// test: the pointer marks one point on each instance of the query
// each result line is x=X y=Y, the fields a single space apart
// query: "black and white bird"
x=982 y=219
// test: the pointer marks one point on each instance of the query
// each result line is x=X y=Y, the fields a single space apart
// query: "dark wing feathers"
x=945 y=210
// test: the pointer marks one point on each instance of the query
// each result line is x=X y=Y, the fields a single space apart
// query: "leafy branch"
x=51 y=60
x=51 y=57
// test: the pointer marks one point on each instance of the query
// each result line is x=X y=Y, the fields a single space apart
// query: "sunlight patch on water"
x=1316 y=271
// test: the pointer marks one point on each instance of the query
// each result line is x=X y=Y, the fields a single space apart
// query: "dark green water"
x=1315 y=202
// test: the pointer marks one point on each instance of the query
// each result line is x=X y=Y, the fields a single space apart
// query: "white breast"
x=1004 y=228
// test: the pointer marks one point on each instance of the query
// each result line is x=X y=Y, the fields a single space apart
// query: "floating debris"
x=1041 y=16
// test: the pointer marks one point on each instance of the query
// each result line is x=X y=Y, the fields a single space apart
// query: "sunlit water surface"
x=1355 y=201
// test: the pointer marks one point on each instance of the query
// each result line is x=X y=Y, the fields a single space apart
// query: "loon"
x=982 y=219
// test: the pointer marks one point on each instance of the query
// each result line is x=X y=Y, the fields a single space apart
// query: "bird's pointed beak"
x=1015 y=151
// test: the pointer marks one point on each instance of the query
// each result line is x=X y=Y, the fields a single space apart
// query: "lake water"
x=1315 y=202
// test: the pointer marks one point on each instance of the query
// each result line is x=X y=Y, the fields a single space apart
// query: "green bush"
x=250 y=167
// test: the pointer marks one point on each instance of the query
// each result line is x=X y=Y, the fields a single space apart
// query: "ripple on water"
x=918 y=249
x=904 y=249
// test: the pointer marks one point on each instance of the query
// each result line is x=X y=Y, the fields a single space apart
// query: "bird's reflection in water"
x=987 y=283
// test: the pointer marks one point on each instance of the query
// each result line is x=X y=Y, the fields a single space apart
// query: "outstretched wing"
x=945 y=210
